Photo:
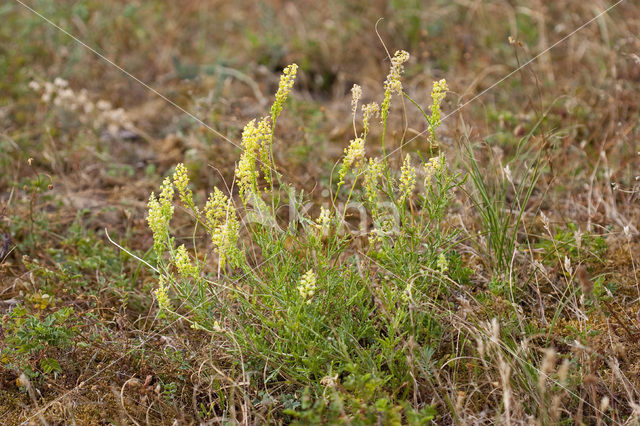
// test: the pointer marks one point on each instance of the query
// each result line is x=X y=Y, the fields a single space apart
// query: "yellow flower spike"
x=407 y=179
x=354 y=154
x=223 y=225
x=184 y=265
x=287 y=79
x=264 y=140
x=438 y=93
x=431 y=167
x=161 y=294
x=160 y=214
x=397 y=68
x=181 y=182
x=372 y=174
x=246 y=171
x=256 y=141
x=393 y=84
x=369 y=111
x=166 y=198
x=323 y=222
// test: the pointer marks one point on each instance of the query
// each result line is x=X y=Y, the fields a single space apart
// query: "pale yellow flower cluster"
x=287 y=79
x=264 y=135
x=181 y=182
x=375 y=236
x=184 y=265
x=372 y=174
x=307 y=285
x=323 y=222
x=161 y=294
x=160 y=214
x=369 y=111
x=256 y=142
x=407 y=179
x=354 y=154
x=246 y=171
x=393 y=84
x=438 y=93
x=223 y=225
x=431 y=167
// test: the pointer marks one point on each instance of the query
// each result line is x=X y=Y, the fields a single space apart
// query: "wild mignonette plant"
x=304 y=309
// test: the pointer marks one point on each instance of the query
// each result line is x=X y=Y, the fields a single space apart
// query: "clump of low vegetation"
x=325 y=328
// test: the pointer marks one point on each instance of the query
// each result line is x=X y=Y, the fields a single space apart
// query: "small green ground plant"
x=32 y=339
x=330 y=321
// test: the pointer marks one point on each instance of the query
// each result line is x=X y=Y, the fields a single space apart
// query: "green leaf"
x=50 y=365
